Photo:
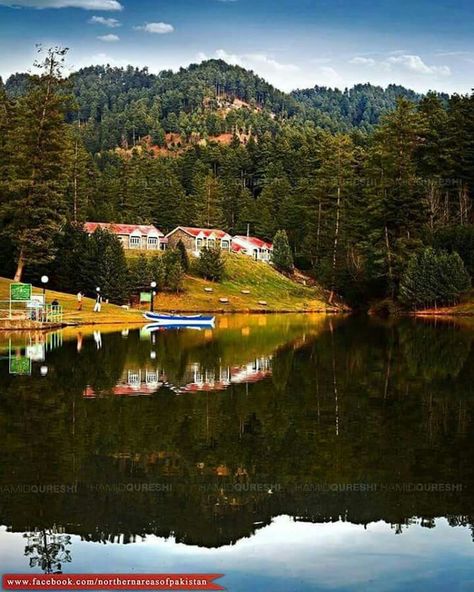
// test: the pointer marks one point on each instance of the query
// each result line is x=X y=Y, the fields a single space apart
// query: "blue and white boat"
x=174 y=320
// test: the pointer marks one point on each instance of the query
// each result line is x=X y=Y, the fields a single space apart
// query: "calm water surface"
x=287 y=452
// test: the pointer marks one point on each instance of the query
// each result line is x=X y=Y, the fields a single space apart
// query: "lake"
x=288 y=452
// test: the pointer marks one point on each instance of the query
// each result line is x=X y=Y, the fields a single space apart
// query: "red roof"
x=127 y=229
x=123 y=390
x=253 y=240
x=197 y=231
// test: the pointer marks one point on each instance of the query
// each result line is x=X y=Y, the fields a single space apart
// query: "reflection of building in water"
x=197 y=377
x=134 y=382
x=220 y=378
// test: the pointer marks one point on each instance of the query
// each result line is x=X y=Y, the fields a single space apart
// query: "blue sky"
x=292 y=43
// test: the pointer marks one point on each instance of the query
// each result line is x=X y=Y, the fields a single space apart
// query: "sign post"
x=145 y=297
x=20 y=292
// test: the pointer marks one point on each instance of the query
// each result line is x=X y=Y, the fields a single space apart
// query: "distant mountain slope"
x=119 y=106
x=360 y=106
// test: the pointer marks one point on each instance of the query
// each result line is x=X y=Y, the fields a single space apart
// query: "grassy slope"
x=243 y=273
x=110 y=313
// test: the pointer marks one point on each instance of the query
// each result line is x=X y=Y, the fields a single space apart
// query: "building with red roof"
x=141 y=237
x=252 y=246
x=195 y=239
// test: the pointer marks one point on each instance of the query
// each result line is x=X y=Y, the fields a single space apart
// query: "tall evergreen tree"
x=32 y=207
x=208 y=198
x=282 y=258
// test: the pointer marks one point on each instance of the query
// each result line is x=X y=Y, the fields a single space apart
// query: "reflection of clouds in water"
x=329 y=556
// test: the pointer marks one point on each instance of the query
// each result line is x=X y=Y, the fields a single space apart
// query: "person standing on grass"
x=79 y=300
x=98 y=303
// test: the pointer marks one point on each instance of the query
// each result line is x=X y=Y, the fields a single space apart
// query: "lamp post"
x=44 y=281
x=152 y=286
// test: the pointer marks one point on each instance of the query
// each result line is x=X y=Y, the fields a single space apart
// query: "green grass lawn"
x=242 y=273
x=110 y=313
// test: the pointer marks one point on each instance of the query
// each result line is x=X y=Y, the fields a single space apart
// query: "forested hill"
x=369 y=208
x=119 y=106
x=360 y=106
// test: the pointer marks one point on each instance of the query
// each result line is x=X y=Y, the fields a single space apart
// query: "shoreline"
x=6 y=326
x=443 y=313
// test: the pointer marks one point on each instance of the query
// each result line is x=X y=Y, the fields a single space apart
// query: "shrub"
x=210 y=264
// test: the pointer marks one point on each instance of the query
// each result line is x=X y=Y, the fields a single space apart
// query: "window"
x=224 y=244
x=135 y=242
x=199 y=243
x=211 y=243
x=152 y=242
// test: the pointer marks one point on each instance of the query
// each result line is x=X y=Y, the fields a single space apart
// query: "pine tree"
x=210 y=264
x=158 y=272
x=32 y=206
x=183 y=256
x=282 y=258
x=208 y=211
x=394 y=192
x=175 y=277
x=139 y=270
x=111 y=272
x=71 y=264
x=432 y=278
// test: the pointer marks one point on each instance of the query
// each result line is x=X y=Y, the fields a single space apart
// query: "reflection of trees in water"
x=397 y=421
x=432 y=352
x=47 y=550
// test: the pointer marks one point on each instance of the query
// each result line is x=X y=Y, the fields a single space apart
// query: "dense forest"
x=362 y=180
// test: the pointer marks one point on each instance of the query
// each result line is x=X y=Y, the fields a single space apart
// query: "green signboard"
x=20 y=292
x=20 y=365
x=145 y=297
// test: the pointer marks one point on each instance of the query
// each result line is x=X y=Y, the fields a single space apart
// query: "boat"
x=152 y=327
x=175 y=320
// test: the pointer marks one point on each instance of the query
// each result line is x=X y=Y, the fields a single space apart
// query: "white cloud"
x=414 y=63
x=85 y=4
x=110 y=38
x=285 y=76
x=401 y=62
x=159 y=28
x=106 y=22
x=320 y=60
x=255 y=60
x=328 y=76
x=230 y=58
x=450 y=54
x=268 y=62
x=361 y=61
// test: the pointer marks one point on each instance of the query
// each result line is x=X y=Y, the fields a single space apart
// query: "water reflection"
x=324 y=420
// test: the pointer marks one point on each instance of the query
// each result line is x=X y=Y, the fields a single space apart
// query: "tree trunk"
x=318 y=231
x=389 y=262
x=19 y=268
x=75 y=183
x=336 y=239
